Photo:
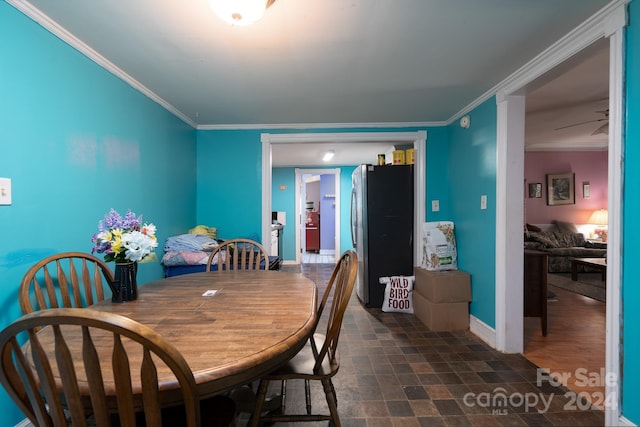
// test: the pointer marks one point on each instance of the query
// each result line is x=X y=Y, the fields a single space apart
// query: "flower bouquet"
x=124 y=239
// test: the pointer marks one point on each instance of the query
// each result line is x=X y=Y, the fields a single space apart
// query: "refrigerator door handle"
x=354 y=218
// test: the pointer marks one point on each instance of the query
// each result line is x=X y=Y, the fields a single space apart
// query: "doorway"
x=562 y=106
x=417 y=138
x=318 y=210
x=508 y=334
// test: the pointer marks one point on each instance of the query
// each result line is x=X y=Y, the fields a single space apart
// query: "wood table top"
x=254 y=322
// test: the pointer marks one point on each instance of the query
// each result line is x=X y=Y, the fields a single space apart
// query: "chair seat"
x=301 y=365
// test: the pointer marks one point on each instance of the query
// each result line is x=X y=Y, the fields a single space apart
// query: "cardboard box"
x=443 y=286
x=452 y=316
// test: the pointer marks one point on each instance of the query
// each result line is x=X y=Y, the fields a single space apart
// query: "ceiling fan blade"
x=602 y=129
x=581 y=123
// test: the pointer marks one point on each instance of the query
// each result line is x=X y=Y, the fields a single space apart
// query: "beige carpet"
x=588 y=284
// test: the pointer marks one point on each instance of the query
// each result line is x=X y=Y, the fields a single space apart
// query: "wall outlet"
x=5 y=191
x=483 y=201
x=435 y=206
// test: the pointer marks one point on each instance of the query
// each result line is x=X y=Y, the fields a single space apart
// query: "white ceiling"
x=562 y=107
x=331 y=62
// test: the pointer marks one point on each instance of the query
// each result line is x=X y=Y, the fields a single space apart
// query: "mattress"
x=177 y=270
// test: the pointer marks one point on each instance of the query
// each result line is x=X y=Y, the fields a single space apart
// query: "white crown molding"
x=298 y=138
x=56 y=29
x=323 y=125
x=602 y=24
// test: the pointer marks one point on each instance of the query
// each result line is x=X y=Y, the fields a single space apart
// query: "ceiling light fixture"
x=328 y=155
x=240 y=12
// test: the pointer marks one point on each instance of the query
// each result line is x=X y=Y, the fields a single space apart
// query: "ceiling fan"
x=604 y=128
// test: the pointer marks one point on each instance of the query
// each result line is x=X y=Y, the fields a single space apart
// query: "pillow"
x=210 y=232
x=398 y=294
x=566 y=240
x=549 y=240
x=566 y=227
x=595 y=245
x=531 y=227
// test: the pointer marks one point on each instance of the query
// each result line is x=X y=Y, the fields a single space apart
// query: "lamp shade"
x=240 y=12
x=599 y=217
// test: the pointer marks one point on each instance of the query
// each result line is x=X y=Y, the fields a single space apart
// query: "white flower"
x=138 y=245
x=149 y=229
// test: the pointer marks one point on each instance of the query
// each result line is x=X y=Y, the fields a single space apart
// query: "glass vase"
x=125 y=286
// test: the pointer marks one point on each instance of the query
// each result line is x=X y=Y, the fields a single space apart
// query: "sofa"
x=562 y=242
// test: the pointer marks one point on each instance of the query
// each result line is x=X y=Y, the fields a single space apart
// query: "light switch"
x=483 y=201
x=435 y=205
x=5 y=191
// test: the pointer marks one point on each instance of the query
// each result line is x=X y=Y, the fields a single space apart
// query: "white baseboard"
x=485 y=332
x=622 y=421
x=24 y=423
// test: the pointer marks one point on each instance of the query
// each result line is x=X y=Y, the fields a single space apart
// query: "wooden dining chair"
x=69 y=279
x=134 y=349
x=238 y=254
x=318 y=360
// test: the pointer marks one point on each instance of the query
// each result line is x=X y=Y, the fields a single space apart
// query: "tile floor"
x=313 y=258
x=395 y=372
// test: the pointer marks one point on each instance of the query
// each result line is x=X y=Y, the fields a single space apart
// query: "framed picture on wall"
x=535 y=190
x=561 y=189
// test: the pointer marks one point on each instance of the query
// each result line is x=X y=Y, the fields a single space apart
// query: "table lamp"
x=601 y=219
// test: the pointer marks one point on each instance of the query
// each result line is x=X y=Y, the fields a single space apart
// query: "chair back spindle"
x=238 y=254
x=64 y=280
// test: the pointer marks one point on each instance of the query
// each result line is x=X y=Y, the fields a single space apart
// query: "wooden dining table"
x=232 y=327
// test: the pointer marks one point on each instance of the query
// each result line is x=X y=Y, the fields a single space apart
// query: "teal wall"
x=76 y=141
x=631 y=231
x=285 y=201
x=471 y=173
x=438 y=146
x=229 y=189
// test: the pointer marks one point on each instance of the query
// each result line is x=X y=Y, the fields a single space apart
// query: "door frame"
x=417 y=138
x=508 y=334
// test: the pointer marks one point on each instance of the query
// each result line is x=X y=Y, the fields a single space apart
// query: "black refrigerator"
x=382 y=215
